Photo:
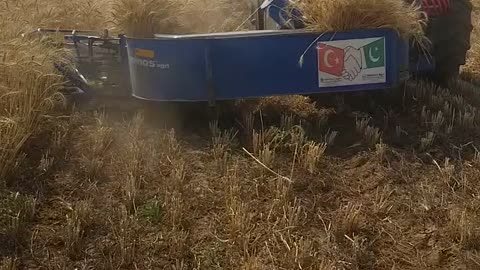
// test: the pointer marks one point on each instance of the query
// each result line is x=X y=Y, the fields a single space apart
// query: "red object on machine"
x=435 y=7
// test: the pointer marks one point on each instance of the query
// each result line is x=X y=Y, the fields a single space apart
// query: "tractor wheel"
x=450 y=37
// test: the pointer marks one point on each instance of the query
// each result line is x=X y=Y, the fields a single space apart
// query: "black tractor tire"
x=450 y=39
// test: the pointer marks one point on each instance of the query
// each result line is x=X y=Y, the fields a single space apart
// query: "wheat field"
x=386 y=180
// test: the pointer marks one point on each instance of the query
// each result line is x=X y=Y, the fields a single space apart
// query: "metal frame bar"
x=73 y=35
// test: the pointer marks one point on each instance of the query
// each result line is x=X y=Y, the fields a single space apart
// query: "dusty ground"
x=340 y=191
x=385 y=180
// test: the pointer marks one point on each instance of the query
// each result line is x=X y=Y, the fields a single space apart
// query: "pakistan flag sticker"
x=374 y=54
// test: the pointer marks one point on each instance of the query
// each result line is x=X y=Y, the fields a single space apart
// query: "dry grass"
x=345 y=15
x=471 y=70
x=16 y=213
x=77 y=222
x=97 y=138
x=26 y=15
x=28 y=82
x=29 y=94
x=28 y=89
x=166 y=201
x=209 y=16
x=144 y=18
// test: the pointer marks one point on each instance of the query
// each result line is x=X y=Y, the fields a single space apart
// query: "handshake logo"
x=349 y=62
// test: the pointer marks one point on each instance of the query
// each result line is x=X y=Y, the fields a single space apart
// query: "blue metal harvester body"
x=237 y=65
x=247 y=65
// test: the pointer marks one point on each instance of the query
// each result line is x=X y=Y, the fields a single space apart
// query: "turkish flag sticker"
x=330 y=59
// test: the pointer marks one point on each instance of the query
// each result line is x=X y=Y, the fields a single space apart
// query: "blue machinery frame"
x=245 y=65
x=227 y=66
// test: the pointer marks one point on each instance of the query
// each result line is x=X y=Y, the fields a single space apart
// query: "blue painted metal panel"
x=244 y=65
x=403 y=57
x=179 y=72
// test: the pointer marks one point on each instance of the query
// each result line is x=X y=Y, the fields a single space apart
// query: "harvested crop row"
x=346 y=15
x=144 y=18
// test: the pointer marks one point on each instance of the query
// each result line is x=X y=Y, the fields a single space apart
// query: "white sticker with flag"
x=351 y=62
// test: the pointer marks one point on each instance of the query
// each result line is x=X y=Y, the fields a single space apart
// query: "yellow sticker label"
x=144 y=53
